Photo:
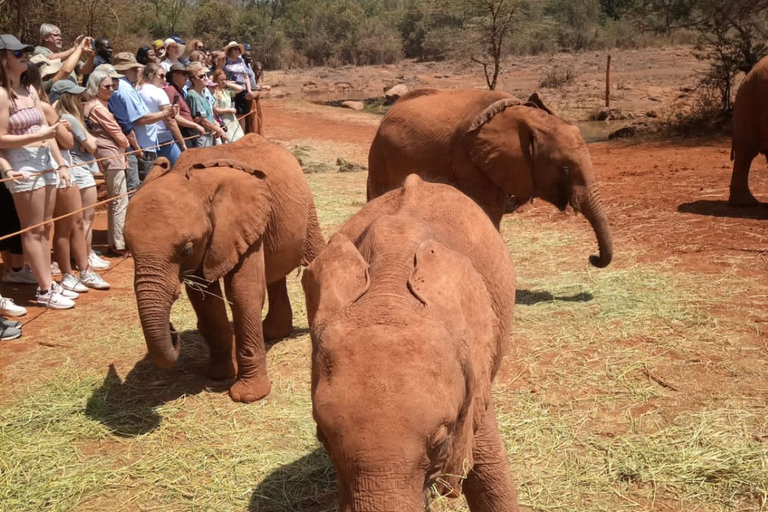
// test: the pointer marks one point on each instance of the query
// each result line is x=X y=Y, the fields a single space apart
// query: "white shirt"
x=155 y=98
x=166 y=65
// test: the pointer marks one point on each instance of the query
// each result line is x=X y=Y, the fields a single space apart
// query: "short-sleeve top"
x=80 y=157
x=127 y=105
x=199 y=106
x=237 y=71
x=110 y=140
x=155 y=99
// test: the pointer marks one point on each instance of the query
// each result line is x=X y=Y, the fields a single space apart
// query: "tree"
x=732 y=36
x=491 y=22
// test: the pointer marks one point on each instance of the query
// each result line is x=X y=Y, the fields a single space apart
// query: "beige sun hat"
x=171 y=41
x=46 y=66
x=233 y=44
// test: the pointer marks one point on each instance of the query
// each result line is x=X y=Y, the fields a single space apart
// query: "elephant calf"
x=410 y=308
x=490 y=145
x=242 y=212
x=750 y=131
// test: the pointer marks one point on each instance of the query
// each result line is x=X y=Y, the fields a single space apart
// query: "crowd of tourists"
x=68 y=115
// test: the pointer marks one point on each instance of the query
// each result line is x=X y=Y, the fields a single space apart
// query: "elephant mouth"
x=175 y=337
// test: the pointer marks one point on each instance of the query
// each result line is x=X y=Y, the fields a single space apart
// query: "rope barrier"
x=133 y=152
x=106 y=201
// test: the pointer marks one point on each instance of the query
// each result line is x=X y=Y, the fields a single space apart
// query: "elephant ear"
x=448 y=283
x=536 y=101
x=162 y=167
x=240 y=208
x=336 y=278
x=502 y=145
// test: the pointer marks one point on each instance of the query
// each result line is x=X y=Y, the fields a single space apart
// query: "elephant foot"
x=743 y=200
x=222 y=369
x=247 y=391
x=276 y=330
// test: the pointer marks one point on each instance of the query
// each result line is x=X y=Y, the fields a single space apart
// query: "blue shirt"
x=128 y=107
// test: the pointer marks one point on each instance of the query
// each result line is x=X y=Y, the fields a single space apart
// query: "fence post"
x=608 y=83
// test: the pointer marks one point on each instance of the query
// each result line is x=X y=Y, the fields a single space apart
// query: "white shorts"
x=32 y=160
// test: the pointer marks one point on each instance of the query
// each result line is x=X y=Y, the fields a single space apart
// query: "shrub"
x=554 y=78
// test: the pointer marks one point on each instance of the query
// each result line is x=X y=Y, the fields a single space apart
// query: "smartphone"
x=175 y=99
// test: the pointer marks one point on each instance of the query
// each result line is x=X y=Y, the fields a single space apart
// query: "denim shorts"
x=82 y=176
x=32 y=160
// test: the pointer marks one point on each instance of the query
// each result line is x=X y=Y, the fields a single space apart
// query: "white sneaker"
x=72 y=283
x=23 y=276
x=93 y=280
x=69 y=294
x=96 y=263
x=53 y=299
x=55 y=270
x=10 y=308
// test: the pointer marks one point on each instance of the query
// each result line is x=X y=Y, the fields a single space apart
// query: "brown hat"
x=125 y=60
x=177 y=68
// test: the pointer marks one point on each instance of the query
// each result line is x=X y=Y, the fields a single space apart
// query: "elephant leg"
x=740 y=194
x=489 y=486
x=213 y=324
x=246 y=289
x=279 y=321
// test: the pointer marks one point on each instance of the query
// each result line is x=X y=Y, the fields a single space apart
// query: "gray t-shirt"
x=80 y=157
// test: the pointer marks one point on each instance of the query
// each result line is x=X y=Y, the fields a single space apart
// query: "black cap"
x=9 y=42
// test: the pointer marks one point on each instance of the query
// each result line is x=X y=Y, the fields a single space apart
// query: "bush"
x=554 y=78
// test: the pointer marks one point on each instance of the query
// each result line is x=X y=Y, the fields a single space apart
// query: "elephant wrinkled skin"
x=410 y=309
x=750 y=131
x=242 y=212
x=489 y=145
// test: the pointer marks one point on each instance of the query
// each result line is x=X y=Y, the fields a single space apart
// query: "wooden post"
x=608 y=83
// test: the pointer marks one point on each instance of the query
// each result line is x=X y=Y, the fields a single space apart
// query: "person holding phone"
x=168 y=134
x=36 y=166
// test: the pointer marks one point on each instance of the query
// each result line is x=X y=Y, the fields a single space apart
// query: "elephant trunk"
x=590 y=204
x=379 y=492
x=155 y=297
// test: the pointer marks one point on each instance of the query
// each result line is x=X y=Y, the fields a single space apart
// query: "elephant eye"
x=565 y=171
x=188 y=248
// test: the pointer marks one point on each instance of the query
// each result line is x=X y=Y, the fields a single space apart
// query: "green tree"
x=214 y=21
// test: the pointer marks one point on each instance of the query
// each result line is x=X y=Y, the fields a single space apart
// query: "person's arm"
x=64 y=55
x=84 y=68
x=197 y=112
x=106 y=120
x=163 y=115
x=233 y=86
x=173 y=126
x=63 y=165
x=71 y=63
x=64 y=137
x=8 y=141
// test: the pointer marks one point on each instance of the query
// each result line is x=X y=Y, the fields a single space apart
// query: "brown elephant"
x=410 y=309
x=242 y=212
x=750 y=131
x=489 y=145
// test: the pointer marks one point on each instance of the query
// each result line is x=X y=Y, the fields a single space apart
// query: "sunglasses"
x=160 y=75
x=19 y=53
x=200 y=77
x=113 y=86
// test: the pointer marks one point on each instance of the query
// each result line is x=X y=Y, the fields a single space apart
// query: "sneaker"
x=55 y=270
x=53 y=299
x=72 y=283
x=10 y=323
x=96 y=263
x=93 y=280
x=8 y=307
x=9 y=333
x=72 y=295
x=23 y=276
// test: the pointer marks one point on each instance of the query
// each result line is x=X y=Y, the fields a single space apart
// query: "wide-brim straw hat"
x=233 y=44
x=170 y=41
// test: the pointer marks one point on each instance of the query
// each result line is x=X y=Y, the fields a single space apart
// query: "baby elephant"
x=410 y=310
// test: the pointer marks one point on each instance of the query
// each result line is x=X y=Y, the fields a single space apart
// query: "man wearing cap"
x=177 y=78
x=51 y=49
x=135 y=119
x=173 y=51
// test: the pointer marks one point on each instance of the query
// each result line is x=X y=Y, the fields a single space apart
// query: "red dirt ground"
x=666 y=198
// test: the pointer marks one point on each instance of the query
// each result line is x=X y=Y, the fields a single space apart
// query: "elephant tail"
x=313 y=238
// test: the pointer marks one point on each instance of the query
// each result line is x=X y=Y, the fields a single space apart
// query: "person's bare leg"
x=35 y=207
x=62 y=230
x=88 y=198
